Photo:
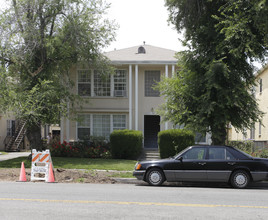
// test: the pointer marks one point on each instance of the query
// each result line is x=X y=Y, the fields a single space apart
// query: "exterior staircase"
x=14 y=142
x=150 y=154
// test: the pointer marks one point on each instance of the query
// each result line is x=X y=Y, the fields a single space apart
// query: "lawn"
x=76 y=163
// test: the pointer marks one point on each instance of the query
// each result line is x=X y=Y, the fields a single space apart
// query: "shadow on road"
x=257 y=185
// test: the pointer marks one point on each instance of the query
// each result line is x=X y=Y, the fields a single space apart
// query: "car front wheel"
x=155 y=177
x=240 y=179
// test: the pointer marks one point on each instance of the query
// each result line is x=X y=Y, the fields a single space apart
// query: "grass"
x=76 y=163
x=122 y=175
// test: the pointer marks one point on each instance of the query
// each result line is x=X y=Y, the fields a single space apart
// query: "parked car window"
x=238 y=155
x=195 y=154
x=217 y=153
x=220 y=153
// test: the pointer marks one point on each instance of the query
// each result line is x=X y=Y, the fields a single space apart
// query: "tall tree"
x=40 y=40
x=213 y=86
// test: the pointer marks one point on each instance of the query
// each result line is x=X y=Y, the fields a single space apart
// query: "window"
x=195 y=154
x=260 y=82
x=119 y=122
x=252 y=133
x=151 y=78
x=84 y=82
x=102 y=84
x=260 y=125
x=99 y=125
x=120 y=83
x=94 y=84
x=10 y=127
x=83 y=127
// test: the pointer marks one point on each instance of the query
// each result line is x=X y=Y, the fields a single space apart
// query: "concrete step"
x=150 y=155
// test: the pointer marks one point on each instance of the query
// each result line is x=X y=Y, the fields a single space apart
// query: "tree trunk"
x=219 y=136
x=34 y=136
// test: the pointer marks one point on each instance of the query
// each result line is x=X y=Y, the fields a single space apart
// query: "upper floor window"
x=120 y=83
x=10 y=127
x=92 y=83
x=102 y=84
x=84 y=82
x=260 y=82
x=151 y=78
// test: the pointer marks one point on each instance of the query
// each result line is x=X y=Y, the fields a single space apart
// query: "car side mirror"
x=180 y=158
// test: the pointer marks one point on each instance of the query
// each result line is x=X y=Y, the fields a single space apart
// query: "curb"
x=128 y=180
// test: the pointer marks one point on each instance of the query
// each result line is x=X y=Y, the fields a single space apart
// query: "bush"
x=246 y=146
x=96 y=148
x=126 y=144
x=173 y=141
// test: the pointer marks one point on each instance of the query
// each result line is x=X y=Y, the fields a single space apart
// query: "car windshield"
x=180 y=153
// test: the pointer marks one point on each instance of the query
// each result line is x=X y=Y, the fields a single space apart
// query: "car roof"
x=207 y=146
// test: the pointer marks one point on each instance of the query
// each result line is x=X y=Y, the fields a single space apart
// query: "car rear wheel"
x=240 y=179
x=155 y=177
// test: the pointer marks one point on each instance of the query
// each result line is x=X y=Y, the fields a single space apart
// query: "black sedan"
x=205 y=164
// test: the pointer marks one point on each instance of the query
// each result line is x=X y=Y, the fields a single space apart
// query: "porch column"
x=166 y=72
x=130 y=97
x=61 y=129
x=68 y=124
x=136 y=96
x=173 y=70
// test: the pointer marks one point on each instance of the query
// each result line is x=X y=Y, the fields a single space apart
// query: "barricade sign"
x=40 y=165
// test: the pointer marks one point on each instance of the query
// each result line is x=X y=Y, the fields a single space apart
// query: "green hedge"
x=126 y=144
x=173 y=141
x=246 y=146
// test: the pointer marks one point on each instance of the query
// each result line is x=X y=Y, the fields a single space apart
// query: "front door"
x=151 y=129
x=192 y=166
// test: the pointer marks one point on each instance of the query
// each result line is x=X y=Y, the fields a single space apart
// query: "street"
x=128 y=201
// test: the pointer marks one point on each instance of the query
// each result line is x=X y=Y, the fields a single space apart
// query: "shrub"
x=246 y=146
x=173 y=141
x=97 y=148
x=126 y=144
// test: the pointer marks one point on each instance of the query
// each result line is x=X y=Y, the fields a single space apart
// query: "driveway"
x=13 y=155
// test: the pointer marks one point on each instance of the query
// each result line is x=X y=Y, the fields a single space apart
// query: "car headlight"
x=137 y=166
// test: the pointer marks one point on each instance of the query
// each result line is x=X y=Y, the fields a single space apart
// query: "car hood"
x=156 y=161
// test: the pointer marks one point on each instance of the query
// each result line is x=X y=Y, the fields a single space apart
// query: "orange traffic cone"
x=51 y=178
x=22 y=173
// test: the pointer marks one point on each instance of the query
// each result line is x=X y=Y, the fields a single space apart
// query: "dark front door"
x=151 y=129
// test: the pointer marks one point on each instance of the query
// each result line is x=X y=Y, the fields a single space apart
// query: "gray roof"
x=152 y=55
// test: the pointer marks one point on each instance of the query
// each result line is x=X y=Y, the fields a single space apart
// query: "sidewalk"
x=13 y=155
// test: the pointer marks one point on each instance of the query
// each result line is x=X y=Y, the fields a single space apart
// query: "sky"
x=142 y=20
x=139 y=21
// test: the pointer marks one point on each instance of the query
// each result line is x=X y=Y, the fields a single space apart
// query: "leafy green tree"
x=40 y=41
x=213 y=86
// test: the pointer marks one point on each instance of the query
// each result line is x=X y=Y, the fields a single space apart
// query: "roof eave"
x=143 y=62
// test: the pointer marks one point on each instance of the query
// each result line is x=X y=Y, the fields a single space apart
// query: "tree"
x=40 y=41
x=213 y=86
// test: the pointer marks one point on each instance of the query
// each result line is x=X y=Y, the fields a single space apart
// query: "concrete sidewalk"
x=13 y=155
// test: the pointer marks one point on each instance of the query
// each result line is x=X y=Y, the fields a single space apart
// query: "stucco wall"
x=116 y=105
x=261 y=132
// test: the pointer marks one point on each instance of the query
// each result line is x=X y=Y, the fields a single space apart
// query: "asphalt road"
x=128 y=201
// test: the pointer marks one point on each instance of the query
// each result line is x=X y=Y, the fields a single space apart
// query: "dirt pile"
x=63 y=175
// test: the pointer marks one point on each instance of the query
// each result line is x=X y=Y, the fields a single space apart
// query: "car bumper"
x=139 y=174
x=259 y=176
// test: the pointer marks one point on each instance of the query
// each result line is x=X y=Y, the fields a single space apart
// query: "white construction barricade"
x=40 y=165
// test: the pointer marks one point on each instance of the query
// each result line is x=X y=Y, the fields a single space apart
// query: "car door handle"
x=231 y=163
x=202 y=163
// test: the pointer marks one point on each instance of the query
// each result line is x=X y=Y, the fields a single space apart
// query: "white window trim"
x=92 y=126
x=111 y=85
